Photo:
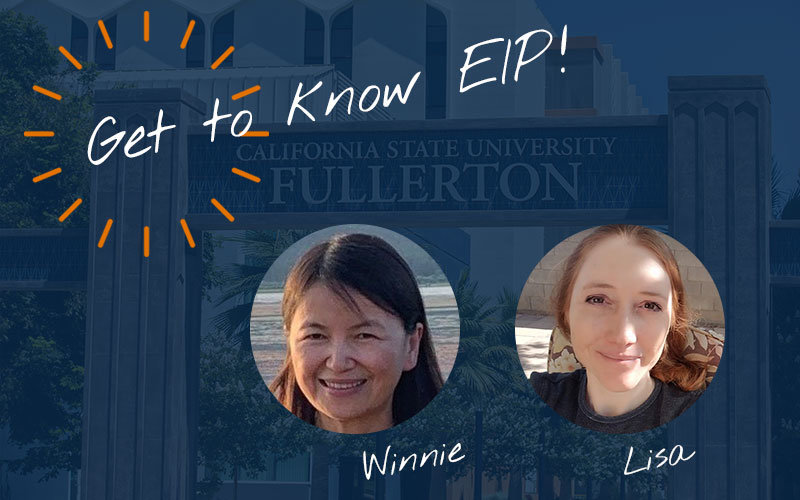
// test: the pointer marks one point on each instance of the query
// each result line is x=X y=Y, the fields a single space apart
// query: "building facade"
x=281 y=44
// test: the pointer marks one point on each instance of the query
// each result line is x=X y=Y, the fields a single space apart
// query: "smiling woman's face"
x=619 y=313
x=348 y=363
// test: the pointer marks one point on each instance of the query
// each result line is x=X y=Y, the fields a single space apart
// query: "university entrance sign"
x=532 y=172
x=702 y=170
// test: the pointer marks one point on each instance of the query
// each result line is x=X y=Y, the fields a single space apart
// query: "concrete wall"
x=384 y=54
x=720 y=157
x=57 y=21
x=703 y=295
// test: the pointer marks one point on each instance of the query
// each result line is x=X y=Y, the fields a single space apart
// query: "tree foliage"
x=239 y=282
x=27 y=59
x=41 y=333
x=41 y=378
x=241 y=424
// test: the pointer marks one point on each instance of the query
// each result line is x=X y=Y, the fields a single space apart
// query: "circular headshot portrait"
x=620 y=328
x=354 y=329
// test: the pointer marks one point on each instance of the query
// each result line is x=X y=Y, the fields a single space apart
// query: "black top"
x=566 y=394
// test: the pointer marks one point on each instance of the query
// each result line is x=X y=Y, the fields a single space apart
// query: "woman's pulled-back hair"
x=673 y=366
x=367 y=265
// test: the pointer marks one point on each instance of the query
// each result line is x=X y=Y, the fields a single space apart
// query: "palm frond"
x=479 y=378
x=791 y=210
x=776 y=179
x=233 y=322
x=507 y=303
x=242 y=281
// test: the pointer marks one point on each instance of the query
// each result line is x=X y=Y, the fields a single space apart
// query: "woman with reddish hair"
x=622 y=304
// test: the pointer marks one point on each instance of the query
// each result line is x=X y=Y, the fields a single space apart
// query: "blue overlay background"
x=191 y=417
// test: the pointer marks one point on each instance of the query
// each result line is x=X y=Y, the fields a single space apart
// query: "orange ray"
x=239 y=95
x=38 y=133
x=105 y=233
x=71 y=209
x=256 y=133
x=187 y=34
x=46 y=92
x=222 y=209
x=146 y=26
x=47 y=175
x=221 y=58
x=187 y=233
x=105 y=33
x=245 y=175
x=69 y=57
x=147 y=241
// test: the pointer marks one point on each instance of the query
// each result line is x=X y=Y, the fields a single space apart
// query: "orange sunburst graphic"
x=50 y=133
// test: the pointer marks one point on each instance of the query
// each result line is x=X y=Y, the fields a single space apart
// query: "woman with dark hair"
x=622 y=304
x=359 y=356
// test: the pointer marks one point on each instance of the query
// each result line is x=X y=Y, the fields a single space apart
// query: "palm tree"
x=241 y=283
x=485 y=356
x=486 y=361
x=785 y=206
x=791 y=210
x=260 y=249
x=776 y=179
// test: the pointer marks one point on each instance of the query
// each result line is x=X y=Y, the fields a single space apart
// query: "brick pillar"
x=137 y=443
x=719 y=136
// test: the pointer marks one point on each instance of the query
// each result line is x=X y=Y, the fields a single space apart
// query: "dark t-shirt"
x=566 y=394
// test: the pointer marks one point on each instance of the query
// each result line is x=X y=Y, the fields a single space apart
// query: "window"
x=435 y=64
x=531 y=483
x=342 y=42
x=573 y=89
x=79 y=40
x=103 y=56
x=579 y=489
x=196 y=46
x=315 y=38
x=295 y=469
x=352 y=483
x=222 y=38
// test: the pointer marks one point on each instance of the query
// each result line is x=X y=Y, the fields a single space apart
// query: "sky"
x=655 y=40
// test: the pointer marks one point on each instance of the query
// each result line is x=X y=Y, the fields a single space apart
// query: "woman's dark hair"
x=367 y=265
